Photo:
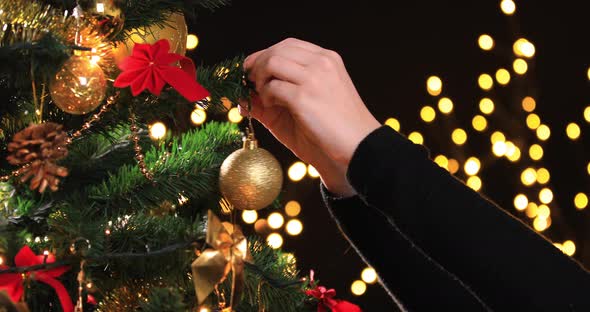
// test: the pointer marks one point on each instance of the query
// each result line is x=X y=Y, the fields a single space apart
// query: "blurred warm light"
x=312 y=172
x=192 y=41
x=297 y=171
x=543 y=212
x=531 y=210
x=292 y=208
x=234 y=115
x=523 y=47
x=529 y=104
x=573 y=131
x=369 y=275
x=485 y=42
x=393 y=123
x=533 y=121
x=528 y=176
x=508 y=7
x=474 y=182
x=520 y=66
x=459 y=136
x=536 y=152
x=445 y=105
x=558 y=246
x=275 y=240
x=158 y=130
x=569 y=248
x=581 y=201
x=261 y=226
x=198 y=116
x=546 y=196
x=515 y=154
x=588 y=168
x=587 y=114
x=521 y=202
x=442 y=161
x=479 y=123
x=1 y=260
x=453 y=166
x=543 y=132
x=485 y=82
x=358 y=288
x=499 y=148
x=416 y=137
x=543 y=176
x=434 y=85
x=540 y=224
x=294 y=227
x=498 y=136
x=249 y=216
x=204 y=309
x=472 y=166
x=275 y=220
x=503 y=76
x=510 y=149
x=486 y=106
x=427 y=114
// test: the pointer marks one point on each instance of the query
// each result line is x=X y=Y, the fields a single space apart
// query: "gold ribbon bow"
x=228 y=253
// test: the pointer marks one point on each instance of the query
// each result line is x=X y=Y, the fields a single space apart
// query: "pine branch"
x=164 y=300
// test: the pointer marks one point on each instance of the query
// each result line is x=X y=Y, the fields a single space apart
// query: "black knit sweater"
x=439 y=246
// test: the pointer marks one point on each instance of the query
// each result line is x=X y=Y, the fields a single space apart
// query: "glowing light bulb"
x=581 y=201
x=428 y=114
x=274 y=240
x=249 y=216
x=486 y=106
x=485 y=42
x=192 y=41
x=520 y=66
x=528 y=176
x=546 y=196
x=358 y=288
x=543 y=132
x=312 y=172
x=459 y=136
x=533 y=121
x=393 y=123
x=442 y=161
x=416 y=137
x=234 y=115
x=275 y=220
x=536 y=152
x=485 y=82
x=198 y=116
x=445 y=105
x=479 y=123
x=474 y=182
x=369 y=276
x=297 y=171
x=543 y=176
x=573 y=131
x=508 y=7
x=503 y=76
x=158 y=130
x=292 y=208
x=521 y=202
x=434 y=85
x=294 y=227
x=472 y=166
x=569 y=248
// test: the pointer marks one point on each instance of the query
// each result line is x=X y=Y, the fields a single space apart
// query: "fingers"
x=278 y=93
x=290 y=42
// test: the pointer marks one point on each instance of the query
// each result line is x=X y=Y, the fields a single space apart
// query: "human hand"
x=308 y=102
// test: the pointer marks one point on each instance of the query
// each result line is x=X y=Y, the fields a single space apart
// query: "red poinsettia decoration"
x=152 y=66
x=12 y=283
x=326 y=298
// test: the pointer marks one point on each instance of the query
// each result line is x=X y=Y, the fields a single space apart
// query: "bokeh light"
x=442 y=161
x=445 y=105
x=520 y=66
x=453 y=166
x=543 y=212
x=369 y=275
x=528 y=176
x=158 y=130
x=546 y=196
x=485 y=42
x=312 y=172
x=569 y=248
x=543 y=176
x=459 y=136
x=434 y=85
x=531 y=210
x=485 y=82
x=573 y=131
x=294 y=227
x=486 y=106
x=497 y=136
x=529 y=104
x=587 y=114
x=192 y=41
x=249 y=216
x=234 y=115
x=474 y=182
x=274 y=240
x=533 y=121
x=540 y=224
x=521 y=202
x=292 y=208
x=416 y=137
x=479 y=123
x=393 y=123
x=297 y=171
x=358 y=288
x=503 y=76
x=524 y=48
x=508 y=7
x=198 y=116
x=428 y=114
x=275 y=220
x=499 y=148
x=581 y=201
x=543 y=132
x=536 y=152
x=472 y=166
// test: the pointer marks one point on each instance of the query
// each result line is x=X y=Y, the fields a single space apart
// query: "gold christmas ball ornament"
x=79 y=87
x=174 y=29
x=251 y=178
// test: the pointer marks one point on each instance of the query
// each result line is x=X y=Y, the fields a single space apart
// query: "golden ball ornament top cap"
x=250 y=142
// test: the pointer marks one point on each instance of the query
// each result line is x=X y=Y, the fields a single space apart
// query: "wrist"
x=333 y=177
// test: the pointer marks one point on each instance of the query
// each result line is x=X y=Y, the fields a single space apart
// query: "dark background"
x=390 y=48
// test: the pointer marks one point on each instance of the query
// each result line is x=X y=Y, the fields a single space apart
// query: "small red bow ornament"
x=152 y=66
x=326 y=298
x=12 y=283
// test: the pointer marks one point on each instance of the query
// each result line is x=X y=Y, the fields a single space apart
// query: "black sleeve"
x=412 y=279
x=502 y=260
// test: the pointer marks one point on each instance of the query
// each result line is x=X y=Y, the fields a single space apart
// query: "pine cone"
x=39 y=147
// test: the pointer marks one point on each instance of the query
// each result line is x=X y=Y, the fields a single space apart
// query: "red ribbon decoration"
x=326 y=298
x=12 y=283
x=152 y=66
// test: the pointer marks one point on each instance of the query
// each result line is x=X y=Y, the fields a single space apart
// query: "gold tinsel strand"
x=124 y=299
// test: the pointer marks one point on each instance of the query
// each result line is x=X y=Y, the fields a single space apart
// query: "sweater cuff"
x=341 y=208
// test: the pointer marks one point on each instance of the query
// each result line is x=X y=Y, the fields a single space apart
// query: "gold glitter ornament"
x=79 y=87
x=174 y=30
x=251 y=178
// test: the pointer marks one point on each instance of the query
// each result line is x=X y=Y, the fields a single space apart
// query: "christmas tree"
x=103 y=207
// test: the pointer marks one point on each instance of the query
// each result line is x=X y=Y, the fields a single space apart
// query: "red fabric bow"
x=326 y=298
x=152 y=66
x=12 y=283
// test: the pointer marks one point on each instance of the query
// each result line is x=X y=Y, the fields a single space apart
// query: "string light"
x=533 y=121
x=369 y=275
x=442 y=161
x=573 y=131
x=275 y=220
x=499 y=148
x=581 y=201
x=445 y=105
x=459 y=136
x=529 y=104
x=434 y=85
x=292 y=208
x=528 y=176
x=520 y=66
x=416 y=137
x=249 y=216
x=274 y=240
x=543 y=176
x=294 y=227
x=546 y=196
x=472 y=166
x=543 y=132
x=453 y=166
x=198 y=116
x=521 y=202
x=587 y=114
x=485 y=82
x=234 y=115
x=427 y=114
x=474 y=182
x=192 y=41
x=312 y=172
x=358 y=288
x=508 y=7
x=536 y=152
x=393 y=123
x=503 y=76
x=524 y=48
x=479 y=123
x=297 y=171
x=485 y=42
x=569 y=248
x=157 y=130
x=486 y=106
